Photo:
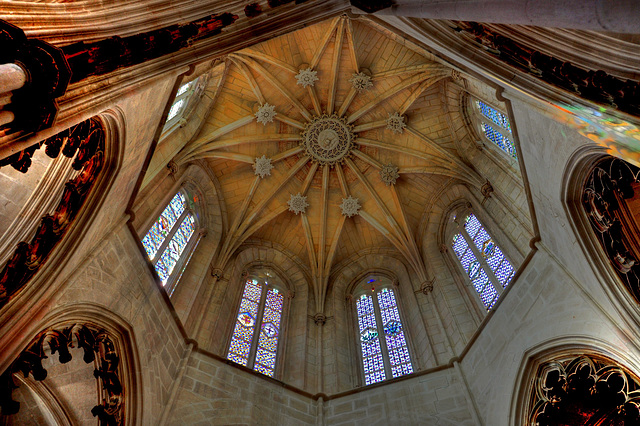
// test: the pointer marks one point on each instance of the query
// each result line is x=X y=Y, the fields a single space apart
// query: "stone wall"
x=213 y=392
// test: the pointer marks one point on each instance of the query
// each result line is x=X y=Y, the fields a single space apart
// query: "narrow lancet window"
x=483 y=261
x=496 y=128
x=169 y=237
x=257 y=330
x=383 y=343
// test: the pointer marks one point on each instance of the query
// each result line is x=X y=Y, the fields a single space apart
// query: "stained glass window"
x=261 y=305
x=486 y=266
x=169 y=236
x=497 y=128
x=383 y=343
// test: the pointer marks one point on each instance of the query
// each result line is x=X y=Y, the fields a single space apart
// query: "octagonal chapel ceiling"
x=330 y=141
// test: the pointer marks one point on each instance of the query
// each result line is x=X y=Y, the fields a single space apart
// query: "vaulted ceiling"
x=337 y=111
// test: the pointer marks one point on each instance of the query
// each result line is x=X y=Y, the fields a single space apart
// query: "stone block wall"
x=213 y=392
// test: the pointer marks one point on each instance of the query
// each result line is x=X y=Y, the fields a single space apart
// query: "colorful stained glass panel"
x=268 y=341
x=174 y=249
x=162 y=227
x=245 y=325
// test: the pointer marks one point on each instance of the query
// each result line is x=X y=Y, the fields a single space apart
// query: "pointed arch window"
x=180 y=104
x=171 y=239
x=384 y=351
x=258 y=326
x=482 y=259
x=496 y=127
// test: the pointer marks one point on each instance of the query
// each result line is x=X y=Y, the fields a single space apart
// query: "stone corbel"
x=486 y=190
x=320 y=318
x=216 y=272
x=427 y=286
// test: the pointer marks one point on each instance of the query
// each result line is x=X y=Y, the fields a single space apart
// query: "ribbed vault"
x=330 y=140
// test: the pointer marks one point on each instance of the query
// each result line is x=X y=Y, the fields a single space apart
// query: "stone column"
x=599 y=15
x=12 y=77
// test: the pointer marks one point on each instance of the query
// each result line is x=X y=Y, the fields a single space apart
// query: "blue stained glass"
x=459 y=245
x=496 y=259
x=386 y=298
x=369 y=335
x=174 y=249
x=481 y=238
x=497 y=117
x=472 y=225
x=501 y=141
x=389 y=315
x=505 y=273
x=392 y=327
x=467 y=259
x=162 y=227
x=370 y=342
x=394 y=336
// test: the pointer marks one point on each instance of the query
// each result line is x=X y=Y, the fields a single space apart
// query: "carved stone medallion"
x=328 y=139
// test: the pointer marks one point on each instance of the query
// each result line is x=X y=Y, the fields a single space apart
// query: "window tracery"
x=258 y=326
x=481 y=258
x=496 y=127
x=384 y=350
x=170 y=236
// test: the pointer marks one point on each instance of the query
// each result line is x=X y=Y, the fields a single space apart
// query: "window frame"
x=456 y=226
x=174 y=277
x=360 y=289
x=279 y=284
x=477 y=119
x=171 y=123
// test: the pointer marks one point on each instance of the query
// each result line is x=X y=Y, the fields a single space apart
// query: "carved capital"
x=203 y=232
x=291 y=294
x=456 y=75
x=443 y=248
x=245 y=274
x=320 y=318
x=395 y=282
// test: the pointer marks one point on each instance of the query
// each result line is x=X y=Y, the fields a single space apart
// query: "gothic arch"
x=106 y=339
x=560 y=353
x=341 y=315
x=578 y=169
x=196 y=182
x=100 y=178
x=256 y=254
